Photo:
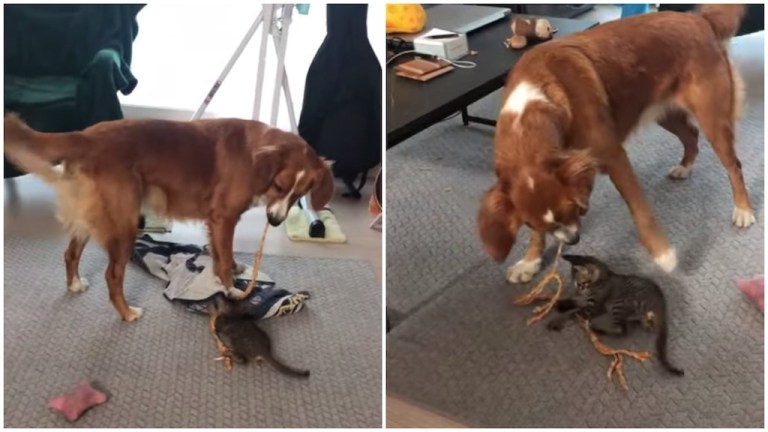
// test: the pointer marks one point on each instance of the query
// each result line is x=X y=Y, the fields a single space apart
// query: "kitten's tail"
x=662 y=333
x=285 y=369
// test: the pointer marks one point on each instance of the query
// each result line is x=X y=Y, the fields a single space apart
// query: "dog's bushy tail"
x=35 y=152
x=723 y=18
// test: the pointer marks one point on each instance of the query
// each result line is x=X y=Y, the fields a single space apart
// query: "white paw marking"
x=78 y=285
x=680 y=172
x=134 y=313
x=235 y=293
x=667 y=261
x=521 y=96
x=743 y=218
x=523 y=271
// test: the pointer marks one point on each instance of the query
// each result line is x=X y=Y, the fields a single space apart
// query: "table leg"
x=466 y=119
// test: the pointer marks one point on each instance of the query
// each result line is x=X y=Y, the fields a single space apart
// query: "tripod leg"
x=269 y=17
x=280 y=36
x=229 y=65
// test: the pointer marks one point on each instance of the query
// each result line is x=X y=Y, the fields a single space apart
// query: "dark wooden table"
x=413 y=106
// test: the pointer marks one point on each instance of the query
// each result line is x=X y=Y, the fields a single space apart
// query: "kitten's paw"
x=134 y=313
x=667 y=260
x=743 y=218
x=555 y=325
x=680 y=172
x=523 y=271
x=78 y=285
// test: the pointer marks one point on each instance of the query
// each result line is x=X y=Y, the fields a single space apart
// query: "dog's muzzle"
x=274 y=220
x=569 y=236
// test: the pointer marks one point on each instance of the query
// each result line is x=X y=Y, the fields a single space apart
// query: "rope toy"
x=539 y=312
x=224 y=351
x=618 y=359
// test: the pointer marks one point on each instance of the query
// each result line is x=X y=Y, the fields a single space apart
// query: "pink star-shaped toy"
x=753 y=288
x=73 y=404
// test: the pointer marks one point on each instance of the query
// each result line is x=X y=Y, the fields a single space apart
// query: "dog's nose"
x=274 y=220
x=573 y=240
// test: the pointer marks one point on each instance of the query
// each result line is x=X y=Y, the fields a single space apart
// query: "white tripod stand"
x=276 y=20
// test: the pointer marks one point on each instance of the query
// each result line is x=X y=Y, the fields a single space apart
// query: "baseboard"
x=161 y=113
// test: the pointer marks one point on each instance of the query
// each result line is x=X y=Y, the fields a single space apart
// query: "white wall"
x=181 y=49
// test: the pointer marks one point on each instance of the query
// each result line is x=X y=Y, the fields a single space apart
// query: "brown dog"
x=570 y=104
x=210 y=170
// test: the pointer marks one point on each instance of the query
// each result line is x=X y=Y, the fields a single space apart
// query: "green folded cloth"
x=297 y=227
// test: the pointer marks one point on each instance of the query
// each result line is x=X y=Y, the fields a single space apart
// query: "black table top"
x=413 y=106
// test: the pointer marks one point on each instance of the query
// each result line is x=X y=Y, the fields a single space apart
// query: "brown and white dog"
x=209 y=170
x=570 y=104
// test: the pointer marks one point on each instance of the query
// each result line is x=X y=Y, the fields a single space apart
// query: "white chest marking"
x=521 y=96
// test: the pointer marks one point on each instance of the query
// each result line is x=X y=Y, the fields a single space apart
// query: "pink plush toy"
x=753 y=288
x=73 y=404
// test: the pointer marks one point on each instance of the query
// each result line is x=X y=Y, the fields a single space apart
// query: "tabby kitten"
x=612 y=301
x=245 y=339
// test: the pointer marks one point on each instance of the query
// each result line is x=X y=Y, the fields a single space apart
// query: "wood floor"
x=402 y=414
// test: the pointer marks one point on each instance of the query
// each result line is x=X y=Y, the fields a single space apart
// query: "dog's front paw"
x=78 y=285
x=680 y=172
x=133 y=314
x=667 y=260
x=555 y=325
x=743 y=218
x=235 y=294
x=238 y=268
x=523 y=271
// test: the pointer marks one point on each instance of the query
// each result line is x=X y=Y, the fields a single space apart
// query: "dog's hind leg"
x=72 y=262
x=677 y=122
x=706 y=100
x=114 y=225
x=120 y=249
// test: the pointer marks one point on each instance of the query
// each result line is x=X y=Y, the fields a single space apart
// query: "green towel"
x=297 y=227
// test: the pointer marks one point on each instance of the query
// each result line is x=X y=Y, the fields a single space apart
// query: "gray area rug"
x=160 y=371
x=461 y=348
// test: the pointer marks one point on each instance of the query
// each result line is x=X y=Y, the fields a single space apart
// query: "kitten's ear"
x=594 y=271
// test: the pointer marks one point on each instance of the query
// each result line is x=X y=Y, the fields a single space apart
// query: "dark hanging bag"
x=341 y=113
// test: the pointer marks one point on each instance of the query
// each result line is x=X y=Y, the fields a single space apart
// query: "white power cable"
x=462 y=64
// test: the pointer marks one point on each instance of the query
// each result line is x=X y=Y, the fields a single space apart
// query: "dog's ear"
x=577 y=171
x=497 y=223
x=267 y=162
x=322 y=192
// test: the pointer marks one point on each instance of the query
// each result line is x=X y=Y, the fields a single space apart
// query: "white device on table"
x=452 y=47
